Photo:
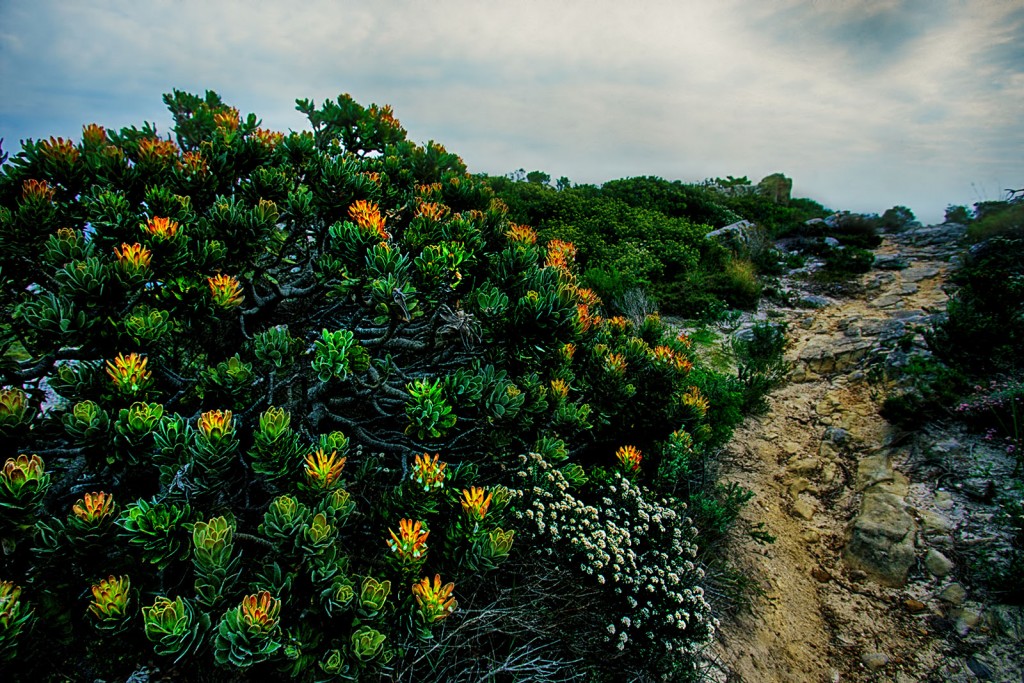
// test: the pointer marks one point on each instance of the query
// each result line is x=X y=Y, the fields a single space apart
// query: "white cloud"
x=865 y=104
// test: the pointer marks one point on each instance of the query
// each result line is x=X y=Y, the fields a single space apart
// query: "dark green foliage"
x=998 y=219
x=897 y=218
x=760 y=362
x=984 y=328
x=958 y=214
x=252 y=344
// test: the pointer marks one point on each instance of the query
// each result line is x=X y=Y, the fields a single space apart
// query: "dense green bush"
x=288 y=407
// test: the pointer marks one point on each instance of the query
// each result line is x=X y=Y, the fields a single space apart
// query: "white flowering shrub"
x=639 y=549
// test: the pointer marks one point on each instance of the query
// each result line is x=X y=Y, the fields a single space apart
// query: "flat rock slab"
x=918 y=273
x=882 y=539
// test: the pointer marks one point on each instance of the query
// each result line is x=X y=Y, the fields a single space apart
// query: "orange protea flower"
x=684 y=340
x=161 y=228
x=521 y=234
x=567 y=351
x=410 y=543
x=156 y=151
x=260 y=612
x=216 y=425
x=94 y=135
x=372 y=176
x=59 y=149
x=667 y=356
x=194 y=163
x=615 y=363
x=629 y=457
x=434 y=600
x=129 y=373
x=431 y=210
x=110 y=599
x=94 y=508
x=37 y=189
x=384 y=115
x=586 y=320
x=588 y=296
x=427 y=472
x=268 y=138
x=367 y=216
x=133 y=258
x=475 y=504
x=560 y=254
x=323 y=472
x=227 y=119
x=560 y=388
x=225 y=290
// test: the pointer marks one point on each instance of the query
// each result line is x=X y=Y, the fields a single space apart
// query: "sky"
x=866 y=104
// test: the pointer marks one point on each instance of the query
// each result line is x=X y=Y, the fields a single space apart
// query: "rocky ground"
x=869 y=577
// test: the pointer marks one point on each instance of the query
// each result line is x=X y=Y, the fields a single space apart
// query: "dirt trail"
x=826 y=472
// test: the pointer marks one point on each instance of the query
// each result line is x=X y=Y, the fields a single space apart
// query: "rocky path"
x=862 y=581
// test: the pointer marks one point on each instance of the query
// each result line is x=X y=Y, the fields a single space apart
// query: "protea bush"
x=268 y=399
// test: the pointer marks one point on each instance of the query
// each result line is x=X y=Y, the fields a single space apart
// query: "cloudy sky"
x=865 y=103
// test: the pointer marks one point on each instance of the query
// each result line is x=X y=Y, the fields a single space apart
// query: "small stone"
x=954 y=594
x=805 y=465
x=858 y=575
x=937 y=563
x=837 y=435
x=934 y=524
x=943 y=500
x=967 y=619
x=821 y=575
x=798 y=487
x=914 y=606
x=803 y=509
x=810 y=536
x=791 y=448
x=875 y=660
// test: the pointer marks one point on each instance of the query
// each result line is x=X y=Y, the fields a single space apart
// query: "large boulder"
x=740 y=237
x=882 y=539
x=776 y=187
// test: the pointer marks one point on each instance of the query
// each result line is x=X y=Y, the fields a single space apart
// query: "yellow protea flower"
x=521 y=234
x=629 y=457
x=410 y=543
x=429 y=190
x=560 y=388
x=37 y=189
x=588 y=297
x=693 y=399
x=615 y=363
x=567 y=351
x=110 y=599
x=434 y=600
x=428 y=472
x=323 y=471
x=260 y=612
x=216 y=424
x=94 y=508
x=155 y=150
x=225 y=290
x=59 y=149
x=432 y=210
x=161 y=228
x=133 y=258
x=227 y=119
x=129 y=373
x=618 y=322
x=367 y=216
x=475 y=504
x=94 y=135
